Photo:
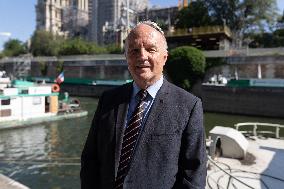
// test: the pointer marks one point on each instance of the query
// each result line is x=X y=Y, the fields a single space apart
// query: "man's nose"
x=143 y=54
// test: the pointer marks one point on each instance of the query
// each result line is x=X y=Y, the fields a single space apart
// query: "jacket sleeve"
x=89 y=173
x=193 y=159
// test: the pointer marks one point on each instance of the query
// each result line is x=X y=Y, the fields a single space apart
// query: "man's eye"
x=151 y=50
x=134 y=50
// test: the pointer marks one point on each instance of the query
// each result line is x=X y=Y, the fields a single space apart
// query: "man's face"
x=146 y=55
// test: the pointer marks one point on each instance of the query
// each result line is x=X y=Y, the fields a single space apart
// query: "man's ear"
x=166 y=56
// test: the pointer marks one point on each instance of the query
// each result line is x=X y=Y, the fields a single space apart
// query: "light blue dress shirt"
x=152 y=92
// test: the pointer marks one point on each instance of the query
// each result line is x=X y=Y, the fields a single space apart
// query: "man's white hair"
x=152 y=25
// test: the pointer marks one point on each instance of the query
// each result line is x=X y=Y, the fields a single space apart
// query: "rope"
x=212 y=161
x=231 y=171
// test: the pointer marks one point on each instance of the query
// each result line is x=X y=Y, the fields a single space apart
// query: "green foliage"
x=78 y=46
x=14 y=47
x=185 y=66
x=224 y=12
x=281 y=19
x=44 y=43
x=162 y=24
x=262 y=15
x=279 y=32
x=280 y=26
x=267 y=40
x=95 y=49
x=43 y=68
x=59 y=66
x=195 y=15
x=74 y=47
x=212 y=62
x=114 y=49
x=244 y=16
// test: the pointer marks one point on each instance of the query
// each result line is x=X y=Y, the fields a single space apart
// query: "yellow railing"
x=201 y=31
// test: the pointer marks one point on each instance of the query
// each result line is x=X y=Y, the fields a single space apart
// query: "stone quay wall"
x=257 y=101
x=108 y=70
x=85 y=90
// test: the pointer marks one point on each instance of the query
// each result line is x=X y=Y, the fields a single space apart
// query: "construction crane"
x=183 y=4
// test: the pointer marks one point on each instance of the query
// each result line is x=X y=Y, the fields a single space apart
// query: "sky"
x=17 y=17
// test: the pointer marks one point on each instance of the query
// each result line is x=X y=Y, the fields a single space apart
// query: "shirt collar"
x=152 y=90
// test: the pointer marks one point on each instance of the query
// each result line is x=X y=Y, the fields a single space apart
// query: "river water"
x=47 y=155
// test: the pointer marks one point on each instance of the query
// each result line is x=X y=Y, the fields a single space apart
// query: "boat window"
x=36 y=100
x=5 y=113
x=25 y=91
x=5 y=102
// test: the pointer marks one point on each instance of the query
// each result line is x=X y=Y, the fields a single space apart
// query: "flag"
x=60 y=78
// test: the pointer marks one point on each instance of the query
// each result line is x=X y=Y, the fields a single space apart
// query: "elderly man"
x=147 y=134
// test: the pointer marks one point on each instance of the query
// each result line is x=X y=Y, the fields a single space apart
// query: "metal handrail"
x=255 y=128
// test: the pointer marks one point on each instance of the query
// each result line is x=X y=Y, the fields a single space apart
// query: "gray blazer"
x=170 y=152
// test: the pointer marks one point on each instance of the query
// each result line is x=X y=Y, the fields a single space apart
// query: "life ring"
x=55 y=88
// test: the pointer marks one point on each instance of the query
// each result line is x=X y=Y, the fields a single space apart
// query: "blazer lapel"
x=121 y=113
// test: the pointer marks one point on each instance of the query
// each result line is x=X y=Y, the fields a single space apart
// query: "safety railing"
x=255 y=128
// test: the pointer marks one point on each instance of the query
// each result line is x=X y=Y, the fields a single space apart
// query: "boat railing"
x=255 y=128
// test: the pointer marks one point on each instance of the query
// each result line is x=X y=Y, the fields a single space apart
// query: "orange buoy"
x=55 y=88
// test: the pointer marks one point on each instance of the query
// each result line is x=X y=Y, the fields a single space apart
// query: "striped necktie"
x=130 y=137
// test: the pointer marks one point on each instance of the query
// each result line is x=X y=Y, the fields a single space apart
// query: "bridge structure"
x=261 y=101
x=234 y=57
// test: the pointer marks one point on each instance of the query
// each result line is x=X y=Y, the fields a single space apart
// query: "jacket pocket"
x=164 y=136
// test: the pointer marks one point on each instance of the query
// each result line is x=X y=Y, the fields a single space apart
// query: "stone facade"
x=109 y=19
x=63 y=17
x=165 y=17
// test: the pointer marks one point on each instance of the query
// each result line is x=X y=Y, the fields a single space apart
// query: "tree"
x=244 y=17
x=43 y=68
x=114 y=49
x=259 y=15
x=280 y=26
x=223 y=12
x=195 y=15
x=185 y=66
x=74 y=46
x=95 y=49
x=14 y=47
x=163 y=24
x=44 y=43
x=272 y=39
x=80 y=46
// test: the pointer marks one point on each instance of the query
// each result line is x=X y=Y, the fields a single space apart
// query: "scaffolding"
x=123 y=17
x=75 y=21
